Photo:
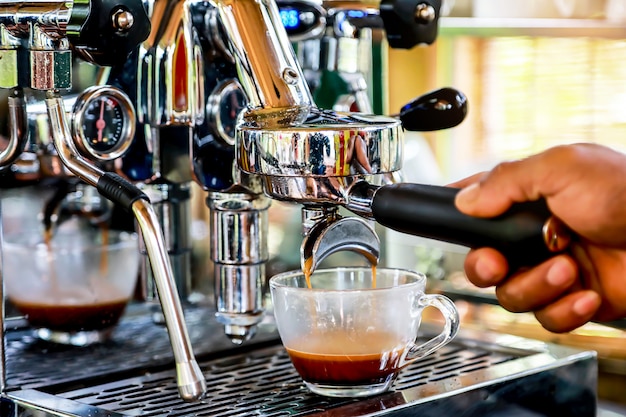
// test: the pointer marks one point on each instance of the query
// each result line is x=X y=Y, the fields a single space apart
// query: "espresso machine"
x=214 y=93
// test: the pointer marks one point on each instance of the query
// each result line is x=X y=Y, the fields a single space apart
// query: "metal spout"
x=239 y=334
x=333 y=233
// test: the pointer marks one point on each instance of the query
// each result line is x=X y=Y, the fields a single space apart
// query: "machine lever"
x=437 y=110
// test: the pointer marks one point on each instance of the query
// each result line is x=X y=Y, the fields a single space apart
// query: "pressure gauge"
x=224 y=104
x=103 y=122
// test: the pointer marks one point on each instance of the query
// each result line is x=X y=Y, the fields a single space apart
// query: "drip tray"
x=475 y=375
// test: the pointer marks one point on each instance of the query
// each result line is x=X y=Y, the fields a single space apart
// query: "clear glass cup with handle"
x=355 y=328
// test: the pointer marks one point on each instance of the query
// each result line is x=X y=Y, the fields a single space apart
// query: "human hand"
x=584 y=186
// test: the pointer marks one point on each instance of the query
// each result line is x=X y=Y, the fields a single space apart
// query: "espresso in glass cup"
x=351 y=332
x=74 y=287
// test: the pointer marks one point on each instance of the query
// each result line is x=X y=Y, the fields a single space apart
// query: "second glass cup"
x=74 y=288
x=352 y=331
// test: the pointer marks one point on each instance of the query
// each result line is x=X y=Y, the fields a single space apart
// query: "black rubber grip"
x=119 y=190
x=429 y=211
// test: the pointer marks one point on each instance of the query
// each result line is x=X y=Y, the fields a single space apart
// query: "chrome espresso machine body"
x=213 y=93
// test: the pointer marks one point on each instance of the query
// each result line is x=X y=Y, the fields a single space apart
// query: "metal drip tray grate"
x=138 y=344
x=264 y=383
x=133 y=375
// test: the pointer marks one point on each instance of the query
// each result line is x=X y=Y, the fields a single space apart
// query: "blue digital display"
x=290 y=18
x=357 y=13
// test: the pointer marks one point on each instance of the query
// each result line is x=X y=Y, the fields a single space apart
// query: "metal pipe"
x=18 y=128
x=18 y=15
x=268 y=69
x=191 y=382
x=62 y=138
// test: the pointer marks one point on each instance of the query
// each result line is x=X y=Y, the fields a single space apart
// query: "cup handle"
x=450 y=329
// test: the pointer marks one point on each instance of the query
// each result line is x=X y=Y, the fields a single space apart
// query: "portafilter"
x=338 y=159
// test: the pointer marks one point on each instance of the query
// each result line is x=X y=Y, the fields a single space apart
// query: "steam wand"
x=191 y=382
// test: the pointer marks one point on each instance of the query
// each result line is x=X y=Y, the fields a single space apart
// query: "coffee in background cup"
x=73 y=287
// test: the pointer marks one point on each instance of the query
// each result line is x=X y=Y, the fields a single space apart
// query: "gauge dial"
x=223 y=107
x=104 y=122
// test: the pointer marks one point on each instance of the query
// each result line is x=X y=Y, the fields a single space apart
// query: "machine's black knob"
x=410 y=22
x=437 y=110
x=104 y=32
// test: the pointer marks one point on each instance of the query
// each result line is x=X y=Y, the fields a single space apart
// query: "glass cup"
x=74 y=288
x=351 y=333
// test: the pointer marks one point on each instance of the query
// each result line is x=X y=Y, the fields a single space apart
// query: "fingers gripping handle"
x=450 y=329
x=526 y=234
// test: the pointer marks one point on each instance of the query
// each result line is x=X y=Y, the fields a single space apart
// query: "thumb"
x=507 y=183
x=468 y=199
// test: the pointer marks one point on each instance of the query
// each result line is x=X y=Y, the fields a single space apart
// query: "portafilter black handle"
x=526 y=234
x=436 y=110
